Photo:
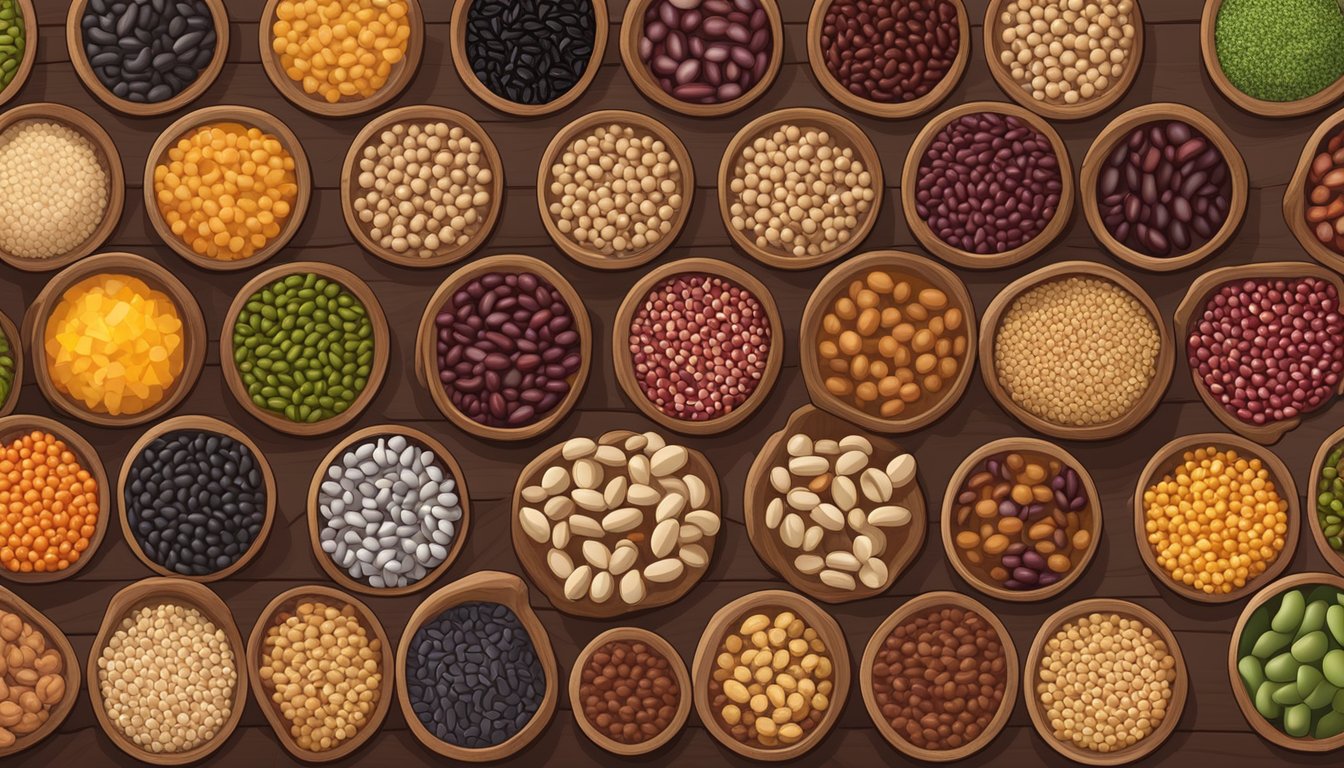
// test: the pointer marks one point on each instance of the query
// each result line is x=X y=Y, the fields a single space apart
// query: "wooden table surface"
x=1211 y=729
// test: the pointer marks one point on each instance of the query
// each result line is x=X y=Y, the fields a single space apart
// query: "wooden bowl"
x=458 y=46
x=842 y=129
x=106 y=150
x=989 y=329
x=898 y=555
x=585 y=254
x=1125 y=609
x=16 y=351
x=1295 y=195
x=1208 y=47
x=284 y=605
x=70 y=671
x=157 y=278
x=625 y=369
x=74 y=42
x=956 y=256
x=837 y=282
x=30 y=33
x=251 y=118
x=632 y=29
x=963 y=472
x=156 y=591
x=1262 y=599
x=421 y=113
x=339 y=575
x=381 y=341
x=532 y=556
x=888 y=110
x=926 y=602
x=490 y=587
x=1192 y=307
x=727 y=619
x=1057 y=110
x=1117 y=131
x=1335 y=559
x=401 y=75
x=194 y=424
x=427 y=358
x=677 y=667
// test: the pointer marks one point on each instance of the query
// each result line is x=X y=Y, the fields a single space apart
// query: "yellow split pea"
x=340 y=49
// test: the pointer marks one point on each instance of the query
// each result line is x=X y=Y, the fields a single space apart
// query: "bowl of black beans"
x=197 y=498
x=147 y=57
x=528 y=57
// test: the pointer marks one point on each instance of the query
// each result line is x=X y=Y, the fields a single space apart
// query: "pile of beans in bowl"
x=706 y=51
x=628 y=691
x=890 y=51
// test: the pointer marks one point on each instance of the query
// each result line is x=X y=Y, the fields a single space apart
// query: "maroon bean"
x=709 y=54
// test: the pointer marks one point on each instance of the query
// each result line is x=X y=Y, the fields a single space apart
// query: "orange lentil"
x=48 y=505
x=340 y=49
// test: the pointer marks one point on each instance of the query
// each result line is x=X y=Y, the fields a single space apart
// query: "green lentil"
x=1291 y=661
x=12 y=41
x=1330 y=498
x=1280 y=50
x=303 y=347
x=6 y=367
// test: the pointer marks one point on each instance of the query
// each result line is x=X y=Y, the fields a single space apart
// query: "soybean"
x=1330 y=498
x=13 y=41
x=1294 y=668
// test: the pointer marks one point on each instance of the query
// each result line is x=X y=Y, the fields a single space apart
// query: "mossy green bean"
x=1280 y=50
x=1292 y=661
x=7 y=367
x=1330 y=498
x=13 y=41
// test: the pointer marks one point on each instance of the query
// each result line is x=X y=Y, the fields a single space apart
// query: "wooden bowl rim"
x=620 y=343
x=833 y=122
x=70 y=673
x=30 y=33
x=674 y=661
x=16 y=351
x=1143 y=407
x=197 y=423
x=561 y=142
x=632 y=29
x=352 y=284
x=426 y=353
x=414 y=114
x=965 y=259
x=102 y=144
x=922 y=604
x=249 y=117
x=1333 y=558
x=449 y=462
x=1294 y=196
x=256 y=646
x=1113 y=134
x=163 y=590
x=493 y=587
x=1125 y=609
x=74 y=42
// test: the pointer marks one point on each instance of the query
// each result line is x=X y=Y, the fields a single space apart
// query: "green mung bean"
x=1280 y=50
x=1330 y=498
x=1291 y=661
x=13 y=41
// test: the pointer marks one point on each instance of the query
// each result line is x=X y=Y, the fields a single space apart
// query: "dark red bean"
x=709 y=54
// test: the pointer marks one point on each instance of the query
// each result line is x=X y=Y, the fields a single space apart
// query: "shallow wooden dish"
x=248 y=117
x=1335 y=559
x=832 y=286
x=30 y=33
x=1295 y=195
x=1117 y=131
x=955 y=256
x=377 y=369
x=426 y=360
x=156 y=591
x=1058 y=110
x=678 y=669
x=989 y=329
x=70 y=671
x=203 y=424
x=401 y=76
x=624 y=366
x=727 y=619
x=156 y=277
x=963 y=471
x=457 y=44
x=74 y=42
x=1180 y=687
x=419 y=114
x=490 y=587
x=584 y=254
x=16 y=351
x=1208 y=47
x=425 y=441
x=819 y=424
x=632 y=29
x=1192 y=307
x=286 y=602
x=1266 y=730
x=105 y=148
x=532 y=556
x=920 y=605
x=893 y=110
x=807 y=117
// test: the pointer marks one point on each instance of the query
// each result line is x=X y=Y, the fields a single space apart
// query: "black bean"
x=530 y=51
x=148 y=51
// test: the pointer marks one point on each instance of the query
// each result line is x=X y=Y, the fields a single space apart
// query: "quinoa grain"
x=56 y=189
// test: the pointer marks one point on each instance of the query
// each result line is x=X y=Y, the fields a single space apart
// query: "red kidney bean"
x=1325 y=193
x=1269 y=350
x=507 y=349
x=890 y=51
x=706 y=51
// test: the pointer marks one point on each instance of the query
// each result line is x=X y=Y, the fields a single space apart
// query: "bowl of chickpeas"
x=889 y=341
